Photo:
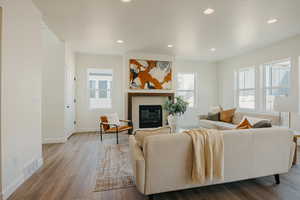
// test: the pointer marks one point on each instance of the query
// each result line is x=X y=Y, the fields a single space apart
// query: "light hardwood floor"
x=69 y=173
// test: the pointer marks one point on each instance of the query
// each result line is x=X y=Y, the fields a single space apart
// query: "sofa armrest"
x=138 y=163
x=292 y=154
x=203 y=117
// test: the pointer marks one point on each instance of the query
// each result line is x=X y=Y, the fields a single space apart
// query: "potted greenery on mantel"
x=175 y=110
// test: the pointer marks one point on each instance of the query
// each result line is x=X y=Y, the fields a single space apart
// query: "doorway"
x=0 y=100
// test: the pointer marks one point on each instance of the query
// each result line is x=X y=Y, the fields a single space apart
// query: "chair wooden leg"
x=277 y=179
x=101 y=133
x=117 y=133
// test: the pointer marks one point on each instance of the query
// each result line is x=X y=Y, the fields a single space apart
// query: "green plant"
x=176 y=108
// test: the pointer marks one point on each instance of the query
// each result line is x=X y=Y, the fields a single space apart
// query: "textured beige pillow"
x=141 y=134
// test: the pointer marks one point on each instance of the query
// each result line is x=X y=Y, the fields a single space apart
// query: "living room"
x=113 y=97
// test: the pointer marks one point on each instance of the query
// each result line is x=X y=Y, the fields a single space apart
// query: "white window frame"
x=194 y=91
x=265 y=88
x=104 y=70
x=238 y=90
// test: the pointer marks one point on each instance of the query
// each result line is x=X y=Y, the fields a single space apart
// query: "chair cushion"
x=104 y=120
x=120 y=128
x=113 y=119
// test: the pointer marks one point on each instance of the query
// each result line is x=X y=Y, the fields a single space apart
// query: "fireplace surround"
x=145 y=98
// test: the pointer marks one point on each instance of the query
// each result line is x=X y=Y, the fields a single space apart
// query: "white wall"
x=53 y=99
x=281 y=50
x=206 y=89
x=21 y=82
x=58 y=109
x=0 y=101
x=88 y=119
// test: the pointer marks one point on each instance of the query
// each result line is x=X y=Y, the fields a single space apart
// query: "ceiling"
x=148 y=26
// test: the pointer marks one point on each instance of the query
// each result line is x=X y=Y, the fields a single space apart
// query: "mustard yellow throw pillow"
x=227 y=115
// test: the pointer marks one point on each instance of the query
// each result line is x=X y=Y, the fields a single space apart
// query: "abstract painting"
x=150 y=74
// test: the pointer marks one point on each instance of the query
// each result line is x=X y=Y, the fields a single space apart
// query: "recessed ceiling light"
x=213 y=49
x=120 y=41
x=126 y=1
x=170 y=46
x=208 y=11
x=272 y=21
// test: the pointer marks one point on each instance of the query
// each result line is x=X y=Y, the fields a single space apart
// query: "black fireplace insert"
x=150 y=116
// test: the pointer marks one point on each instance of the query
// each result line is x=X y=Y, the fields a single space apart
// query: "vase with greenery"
x=175 y=109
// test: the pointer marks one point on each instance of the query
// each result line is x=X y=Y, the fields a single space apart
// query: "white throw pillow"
x=215 y=109
x=113 y=119
x=254 y=120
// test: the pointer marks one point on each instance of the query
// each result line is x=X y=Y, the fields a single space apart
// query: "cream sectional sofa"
x=165 y=162
x=238 y=116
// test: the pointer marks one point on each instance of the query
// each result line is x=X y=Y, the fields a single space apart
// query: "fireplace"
x=150 y=116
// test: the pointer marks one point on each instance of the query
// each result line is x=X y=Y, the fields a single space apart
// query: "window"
x=246 y=88
x=100 y=84
x=186 y=87
x=276 y=82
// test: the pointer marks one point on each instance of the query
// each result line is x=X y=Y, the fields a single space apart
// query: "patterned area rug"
x=115 y=171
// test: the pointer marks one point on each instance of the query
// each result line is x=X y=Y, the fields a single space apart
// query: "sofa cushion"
x=227 y=115
x=216 y=125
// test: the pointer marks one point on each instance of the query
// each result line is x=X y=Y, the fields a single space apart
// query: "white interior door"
x=69 y=101
x=0 y=99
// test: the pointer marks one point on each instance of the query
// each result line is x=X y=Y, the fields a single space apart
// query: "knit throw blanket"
x=208 y=155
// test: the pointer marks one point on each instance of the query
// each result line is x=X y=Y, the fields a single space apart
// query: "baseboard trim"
x=12 y=187
x=85 y=132
x=54 y=140
x=35 y=164
x=70 y=135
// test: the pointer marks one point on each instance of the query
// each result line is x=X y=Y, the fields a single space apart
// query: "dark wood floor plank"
x=69 y=173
